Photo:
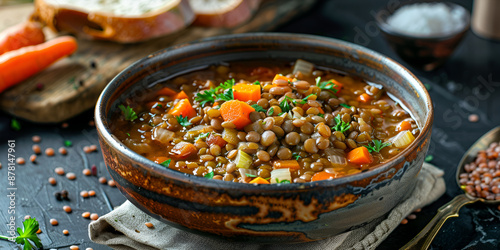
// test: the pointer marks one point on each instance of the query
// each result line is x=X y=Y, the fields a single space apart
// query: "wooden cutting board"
x=73 y=84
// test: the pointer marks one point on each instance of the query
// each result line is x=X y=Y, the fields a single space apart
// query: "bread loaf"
x=223 y=13
x=125 y=21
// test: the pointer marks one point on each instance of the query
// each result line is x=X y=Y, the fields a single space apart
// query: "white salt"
x=427 y=19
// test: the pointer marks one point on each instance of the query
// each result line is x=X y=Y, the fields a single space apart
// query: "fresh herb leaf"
x=157 y=105
x=68 y=143
x=202 y=135
x=345 y=105
x=270 y=111
x=166 y=163
x=209 y=175
x=183 y=120
x=304 y=100
x=128 y=134
x=296 y=156
x=340 y=125
x=376 y=146
x=226 y=95
x=283 y=181
x=429 y=158
x=326 y=85
x=285 y=105
x=258 y=108
x=250 y=175
x=28 y=236
x=228 y=84
x=205 y=96
x=128 y=112
x=15 y=124
x=256 y=83
x=281 y=113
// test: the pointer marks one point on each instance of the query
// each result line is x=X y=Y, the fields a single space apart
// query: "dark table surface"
x=469 y=83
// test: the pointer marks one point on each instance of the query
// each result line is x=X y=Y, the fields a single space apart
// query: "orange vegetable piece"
x=160 y=159
x=360 y=155
x=338 y=85
x=365 y=98
x=24 y=34
x=184 y=108
x=215 y=104
x=291 y=164
x=166 y=91
x=321 y=110
x=246 y=92
x=216 y=140
x=404 y=125
x=20 y=64
x=181 y=95
x=259 y=180
x=281 y=77
x=184 y=150
x=237 y=112
x=323 y=175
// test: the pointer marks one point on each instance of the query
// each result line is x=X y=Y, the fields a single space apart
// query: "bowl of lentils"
x=265 y=137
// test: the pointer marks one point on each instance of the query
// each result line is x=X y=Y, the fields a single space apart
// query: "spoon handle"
x=450 y=209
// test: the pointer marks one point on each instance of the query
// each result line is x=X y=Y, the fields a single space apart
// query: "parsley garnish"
x=327 y=85
x=345 y=105
x=429 y=158
x=321 y=115
x=270 y=111
x=128 y=134
x=128 y=112
x=183 y=120
x=296 y=156
x=68 y=143
x=281 y=113
x=340 y=125
x=15 y=124
x=202 y=135
x=284 y=105
x=258 y=108
x=304 y=100
x=377 y=146
x=27 y=235
x=211 y=94
x=256 y=83
x=250 y=175
x=283 y=181
x=209 y=175
x=166 y=163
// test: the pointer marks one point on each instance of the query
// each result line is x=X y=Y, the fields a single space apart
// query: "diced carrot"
x=246 y=92
x=181 y=95
x=184 y=150
x=323 y=175
x=160 y=159
x=321 y=110
x=216 y=140
x=184 y=108
x=259 y=180
x=166 y=91
x=404 y=125
x=281 y=77
x=291 y=164
x=365 y=98
x=360 y=155
x=215 y=104
x=338 y=85
x=237 y=112
x=24 y=34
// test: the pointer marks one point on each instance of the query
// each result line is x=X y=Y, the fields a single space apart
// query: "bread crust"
x=229 y=18
x=106 y=26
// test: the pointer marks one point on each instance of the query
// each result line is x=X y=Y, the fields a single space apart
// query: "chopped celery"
x=403 y=139
x=304 y=67
x=280 y=175
x=243 y=160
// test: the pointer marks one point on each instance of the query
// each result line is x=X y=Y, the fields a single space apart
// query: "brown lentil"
x=71 y=176
x=49 y=152
x=36 y=139
x=59 y=171
x=67 y=209
x=91 y=193
x=111 y=183
x=65 y=232
x=53 y=222
x=103 y=180
x=33 y=158
x=39 y=231
x=20 y=160
x=73 y=247
x=94 y=216
x=86 y=172
x=52 y=181
x=86 y=215
x=63 y=151
x=84 y=194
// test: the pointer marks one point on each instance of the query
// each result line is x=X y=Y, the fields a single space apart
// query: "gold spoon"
x=450 y=209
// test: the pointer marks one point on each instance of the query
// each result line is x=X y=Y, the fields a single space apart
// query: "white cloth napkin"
x=124 y=227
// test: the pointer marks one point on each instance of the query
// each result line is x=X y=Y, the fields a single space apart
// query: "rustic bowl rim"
x=150 y=166
x=386 y=28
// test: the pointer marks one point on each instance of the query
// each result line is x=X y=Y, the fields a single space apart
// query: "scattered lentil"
x=411 y=217
x=87 y=172
x=73 y=247
x=111 y=183
x=404 y=221
x=63 y=151
x=91 y=192
x=52 y=181
x=65 y=232
x=59 y=170
x=36 y=149
x=86 y=149
x=473 y=118
x=54 y=222
x=93 y=148
x=84 y=194
x=64 y=194
x=33 y=158
x=26 y=217
x=49 y=152
x=39 y=231
x=86 y=215
x=149 y=224
x=71 y=176
x=103 y=180
x=36 y=139
x=20 y=160
x=67 y=209
x=94 y=216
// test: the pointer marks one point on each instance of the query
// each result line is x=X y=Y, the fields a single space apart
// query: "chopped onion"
x=162 y=135
x=243 y=160
x=304 y=67
x=336 y=157
x=403 y=139
x=244 y=172
x=280 y=175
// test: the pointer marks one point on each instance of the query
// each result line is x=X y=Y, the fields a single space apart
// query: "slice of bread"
x=125 y=21
x=223 y=13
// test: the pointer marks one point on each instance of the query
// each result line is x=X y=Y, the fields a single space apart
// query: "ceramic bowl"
x=264 y=213
x=423 y=52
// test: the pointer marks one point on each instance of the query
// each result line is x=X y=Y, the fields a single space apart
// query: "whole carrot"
x=20 y=64
x=24 y=34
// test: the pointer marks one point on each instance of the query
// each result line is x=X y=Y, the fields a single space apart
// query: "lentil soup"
x=265 y=122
